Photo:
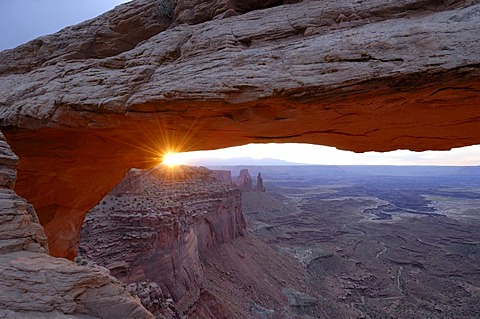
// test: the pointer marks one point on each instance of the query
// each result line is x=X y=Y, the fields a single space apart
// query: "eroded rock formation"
x=182 y=248
x=260 y=187
x=161 y=234
x=244 y=181
x=36 y=285
x=83 y=106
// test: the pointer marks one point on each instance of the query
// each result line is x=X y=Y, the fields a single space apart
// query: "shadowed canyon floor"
x=388 y=242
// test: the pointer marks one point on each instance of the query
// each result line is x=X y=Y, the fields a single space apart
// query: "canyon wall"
x=83 y=106
x=159 y=235
x=182 y=247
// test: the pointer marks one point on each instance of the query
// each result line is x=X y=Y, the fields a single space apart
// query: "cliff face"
x=182 y=248
x=161 y=234
x=36 y=285
x=83 y=106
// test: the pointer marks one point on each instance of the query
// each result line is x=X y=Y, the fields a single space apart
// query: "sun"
x=172 y=159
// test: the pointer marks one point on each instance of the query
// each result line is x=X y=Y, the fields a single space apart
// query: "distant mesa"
x=214 y=162
x=223 y=176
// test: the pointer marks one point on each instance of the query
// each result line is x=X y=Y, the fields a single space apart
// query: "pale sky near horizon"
x=25 y=20
x=325 y=155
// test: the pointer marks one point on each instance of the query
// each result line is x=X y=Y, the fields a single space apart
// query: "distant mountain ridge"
x=243 y=160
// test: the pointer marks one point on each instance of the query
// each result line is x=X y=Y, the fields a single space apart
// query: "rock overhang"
x=358 y=76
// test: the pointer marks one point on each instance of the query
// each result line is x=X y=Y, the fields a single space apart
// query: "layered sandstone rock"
x=36 y=285
x=83 y=106
x=161 y=234
x=198 y=11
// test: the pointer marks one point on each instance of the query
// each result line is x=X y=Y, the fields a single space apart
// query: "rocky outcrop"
x=112 y=33
x=36 y=285
x=153 y=298
x=244 y=181
x=260 y=187
x=132 y=183
x=83 y=106
x=160 y=235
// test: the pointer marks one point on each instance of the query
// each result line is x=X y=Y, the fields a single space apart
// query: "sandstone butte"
x=84 y=105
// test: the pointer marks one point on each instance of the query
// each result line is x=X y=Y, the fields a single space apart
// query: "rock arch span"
x=359 y=76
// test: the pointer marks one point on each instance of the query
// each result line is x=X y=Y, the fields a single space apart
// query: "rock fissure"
x=468 y=89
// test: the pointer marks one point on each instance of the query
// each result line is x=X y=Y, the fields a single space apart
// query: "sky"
x=325 y=155
x=25 y=20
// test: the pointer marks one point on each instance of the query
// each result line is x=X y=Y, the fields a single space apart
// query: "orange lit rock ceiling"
x=84 y=105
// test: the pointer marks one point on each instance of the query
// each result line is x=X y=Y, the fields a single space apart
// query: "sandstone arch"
x=384 y=76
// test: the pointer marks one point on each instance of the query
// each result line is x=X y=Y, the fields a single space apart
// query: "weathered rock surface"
x=377 y=75
x=36 y=285
x=160 y=234
x=198 y=11
x=114 y=32
x=153 y=298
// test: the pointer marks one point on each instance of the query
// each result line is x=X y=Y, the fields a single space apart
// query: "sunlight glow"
x=173 y=159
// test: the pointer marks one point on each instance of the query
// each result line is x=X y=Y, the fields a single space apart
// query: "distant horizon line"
x=356 y=165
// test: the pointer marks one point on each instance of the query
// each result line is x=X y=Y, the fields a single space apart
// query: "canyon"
x=178 y=240
x=377 y=242
x=96 y=99
x=83 y=106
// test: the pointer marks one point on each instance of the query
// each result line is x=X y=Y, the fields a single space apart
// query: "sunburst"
x=172 y=159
